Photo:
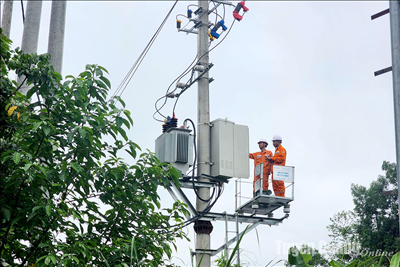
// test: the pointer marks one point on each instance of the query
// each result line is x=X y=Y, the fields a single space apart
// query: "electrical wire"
x=186 y=71
x=121 y=88
x=203 y=56
x=194 y=164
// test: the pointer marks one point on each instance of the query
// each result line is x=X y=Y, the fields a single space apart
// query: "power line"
x=121 y=88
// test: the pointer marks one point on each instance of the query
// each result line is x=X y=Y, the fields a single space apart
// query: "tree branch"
x=393 y=192
x=19 y=87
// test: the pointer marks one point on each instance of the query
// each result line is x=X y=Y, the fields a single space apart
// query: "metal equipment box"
x=176 y=146
x=229 y=149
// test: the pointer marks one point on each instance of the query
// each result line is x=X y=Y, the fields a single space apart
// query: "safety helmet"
x=262 y=140
x=277 y=138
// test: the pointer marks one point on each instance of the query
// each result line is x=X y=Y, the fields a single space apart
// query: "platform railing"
x=281 y=173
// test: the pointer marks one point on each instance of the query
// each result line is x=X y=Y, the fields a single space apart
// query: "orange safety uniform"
x=261 y=157
x=279 y=159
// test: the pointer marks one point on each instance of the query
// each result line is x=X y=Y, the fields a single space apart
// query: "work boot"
x=267 y=192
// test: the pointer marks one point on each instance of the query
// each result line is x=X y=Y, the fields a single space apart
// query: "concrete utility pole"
x=394 y=7
x=30 y=36
x=56 y=36
x=203 y=228
x=6 y=18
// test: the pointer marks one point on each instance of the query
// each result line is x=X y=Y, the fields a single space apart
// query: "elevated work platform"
x=263 y=205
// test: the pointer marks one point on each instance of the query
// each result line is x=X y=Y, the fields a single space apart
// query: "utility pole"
x=56 y=35
x=394 y=7
x=30 y=36
x=6 y=18
x=203 y=228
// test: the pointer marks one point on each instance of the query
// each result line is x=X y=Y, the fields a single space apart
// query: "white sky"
x=303 y=70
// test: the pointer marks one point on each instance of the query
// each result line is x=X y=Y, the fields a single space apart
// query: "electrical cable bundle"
x=170 y=94
x=121 y=88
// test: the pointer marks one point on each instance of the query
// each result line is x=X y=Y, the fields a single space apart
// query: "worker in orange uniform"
x=278 y=159
x=262 y=157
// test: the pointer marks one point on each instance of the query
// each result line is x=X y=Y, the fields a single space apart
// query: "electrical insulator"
x=178 y=23
x=181 y=85
x=173 y=122
x=199 y=68
x=189 y=13
x=198 y=11
x=214 y=30
x=212 y=38
x=165 y=125
x=237 y=10
x=198 y=24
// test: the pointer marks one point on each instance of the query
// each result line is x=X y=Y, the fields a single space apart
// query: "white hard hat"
x=276 y=138
x=263 y=140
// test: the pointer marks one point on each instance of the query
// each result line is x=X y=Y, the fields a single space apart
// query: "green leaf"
x=31 y=91
x=46 y=130
x=48 y=210
x=128 y=115
x=27 y=166
x=42 y=169
x=75 y=259
x=395 y=261
x=47 y=260
x=306 y=257
x=53 y=259
x=7 y=214
x=106 y=81
x=82 y=132
x=99 y=72
x=16 y=157
x=295 y=257
x=175 y=173
x=36 y=126
x=76 y=166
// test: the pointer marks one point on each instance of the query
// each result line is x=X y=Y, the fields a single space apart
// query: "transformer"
x=176 y=146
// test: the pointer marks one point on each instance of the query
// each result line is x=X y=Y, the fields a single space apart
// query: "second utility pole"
x=203 y=228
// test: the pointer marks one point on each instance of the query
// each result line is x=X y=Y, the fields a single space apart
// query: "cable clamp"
x=206 y=123
x=209 y=163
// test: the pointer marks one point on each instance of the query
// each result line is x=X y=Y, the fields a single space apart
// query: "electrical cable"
x=121 y=88
x=180 y=76
x=204 y=55
x=194 y=163
x=186 y=71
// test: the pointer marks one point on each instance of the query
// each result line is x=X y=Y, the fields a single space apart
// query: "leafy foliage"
x=373 y=226
x=67 y=197
x=299 y=258
x=378 y=227
x=343 y=234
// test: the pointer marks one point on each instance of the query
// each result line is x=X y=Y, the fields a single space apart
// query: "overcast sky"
x=304 y=70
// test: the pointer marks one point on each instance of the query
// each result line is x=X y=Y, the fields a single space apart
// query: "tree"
x=373 y=226
x=67 y=197
x=306 y=256
x=343 y=234
x=378 y=214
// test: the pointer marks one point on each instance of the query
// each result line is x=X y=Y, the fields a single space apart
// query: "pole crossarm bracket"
x=212 y=216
